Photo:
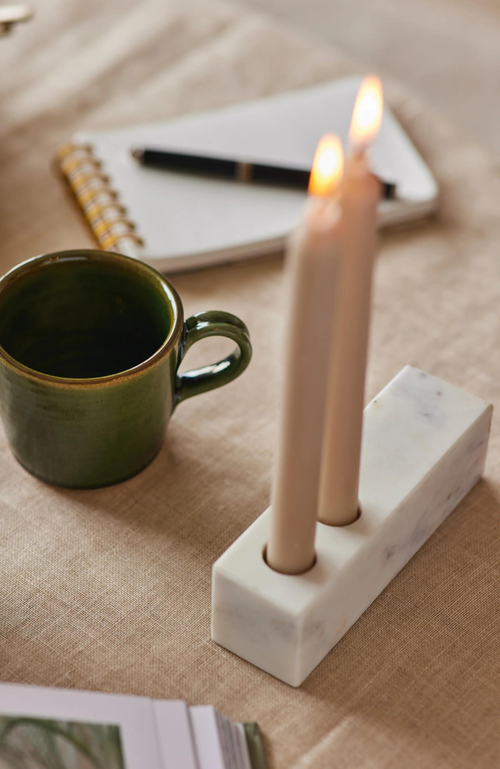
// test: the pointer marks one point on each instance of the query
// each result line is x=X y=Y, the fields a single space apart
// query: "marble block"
x=424 y=447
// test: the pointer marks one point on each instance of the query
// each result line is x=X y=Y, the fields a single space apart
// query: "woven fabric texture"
x=110 y=589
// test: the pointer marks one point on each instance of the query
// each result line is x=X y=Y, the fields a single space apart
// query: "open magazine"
x=66 y=729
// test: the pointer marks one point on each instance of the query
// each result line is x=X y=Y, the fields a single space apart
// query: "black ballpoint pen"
x=238 y=170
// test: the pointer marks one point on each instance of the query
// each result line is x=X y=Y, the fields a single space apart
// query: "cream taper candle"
x=338 y=497
x=311 y=265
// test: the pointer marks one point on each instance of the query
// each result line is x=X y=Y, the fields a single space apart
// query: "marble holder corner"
x=424 y=448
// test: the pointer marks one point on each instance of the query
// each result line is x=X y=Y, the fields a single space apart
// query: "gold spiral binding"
x=88 y=193
x=108 y=242
x=70 y=149
x=89 y=180
x=98 y=201
x=96 y=211
x=117 y=225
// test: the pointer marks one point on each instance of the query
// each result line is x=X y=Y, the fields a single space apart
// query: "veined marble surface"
x=424 y=447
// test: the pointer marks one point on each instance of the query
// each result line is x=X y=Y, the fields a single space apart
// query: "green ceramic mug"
x=90 y=346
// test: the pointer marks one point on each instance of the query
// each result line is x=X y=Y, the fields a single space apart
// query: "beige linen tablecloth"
x=110 y=589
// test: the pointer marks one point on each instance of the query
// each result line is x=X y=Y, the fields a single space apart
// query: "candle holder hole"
x=285 y=574
x=344 y=525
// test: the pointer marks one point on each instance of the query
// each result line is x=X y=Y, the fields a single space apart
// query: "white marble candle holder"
x=424 y=447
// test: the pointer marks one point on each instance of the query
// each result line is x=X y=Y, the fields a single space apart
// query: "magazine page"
x=234 y=743
x=207 y=739
x=45 y=728
x=220 y=743
x=175 y=735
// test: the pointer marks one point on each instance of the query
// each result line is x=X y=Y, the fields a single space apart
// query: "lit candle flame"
x=367 y=115
x=328 y=167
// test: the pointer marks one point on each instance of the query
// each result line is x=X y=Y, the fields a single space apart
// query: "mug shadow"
x=182 y=496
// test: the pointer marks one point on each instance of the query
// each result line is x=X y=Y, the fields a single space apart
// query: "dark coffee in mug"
x=90 y=346
x=81 y=319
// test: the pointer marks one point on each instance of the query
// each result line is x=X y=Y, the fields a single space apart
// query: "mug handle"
x=201 y=326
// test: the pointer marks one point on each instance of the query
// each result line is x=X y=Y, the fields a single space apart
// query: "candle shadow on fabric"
x=415 y=654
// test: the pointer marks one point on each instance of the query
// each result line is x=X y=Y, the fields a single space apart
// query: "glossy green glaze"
x=90 y=344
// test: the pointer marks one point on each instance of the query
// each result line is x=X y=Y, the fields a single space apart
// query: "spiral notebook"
x=177 y=221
